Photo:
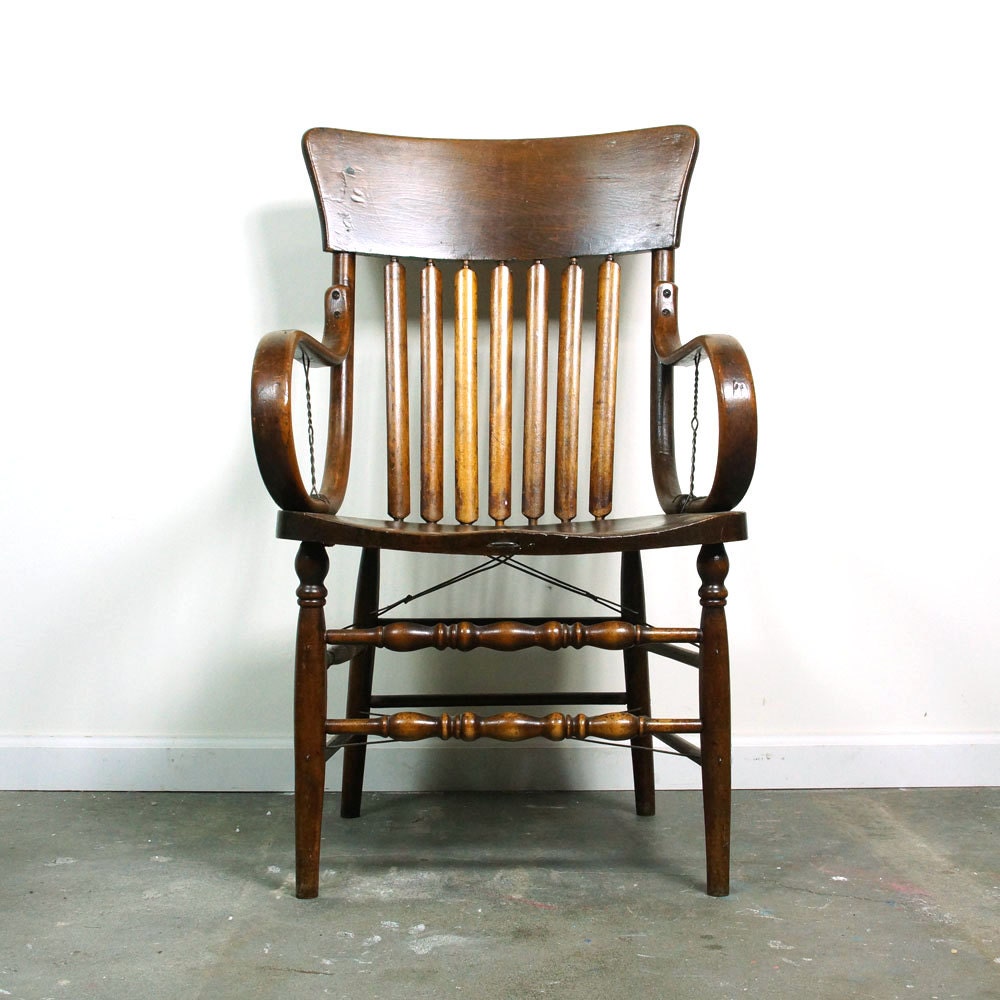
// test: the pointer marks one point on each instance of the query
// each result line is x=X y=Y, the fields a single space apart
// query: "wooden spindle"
x=510 y=726
x=602 y=438
x=568 y=395
x=431 y=395
x=508 y=636
x=501 y=348
x=397 y=395
x=536 y=378
x=466 y=398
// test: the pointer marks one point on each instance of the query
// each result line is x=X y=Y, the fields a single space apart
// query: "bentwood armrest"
x=737 y=407
x=271 y=417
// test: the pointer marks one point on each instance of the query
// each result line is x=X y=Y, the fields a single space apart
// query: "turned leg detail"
x=714 y=698
x=311 y=565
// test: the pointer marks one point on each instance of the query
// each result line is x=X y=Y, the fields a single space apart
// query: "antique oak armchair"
x=479 y=206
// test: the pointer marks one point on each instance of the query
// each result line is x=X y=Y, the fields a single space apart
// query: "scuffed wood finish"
x=575 y=538
x=311 y=566
x=633 y=599
x=714 y=708
x=431 y=395
x=405 y=637
x=568 y=394
x=501 y=412
x=536 y=382
x=466 y=398
x=664 y=307
x=397 y=392
x=510 y=726
x=737 y=408
x=602 y=437
x=271 y=419
x=476 y=203
x=506 y=199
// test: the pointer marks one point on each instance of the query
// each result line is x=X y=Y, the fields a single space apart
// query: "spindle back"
x=494 y=201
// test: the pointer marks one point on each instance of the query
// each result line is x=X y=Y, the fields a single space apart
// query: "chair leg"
x=359 y=683
x=633 y=597
x=713 y=694
x=311 y=565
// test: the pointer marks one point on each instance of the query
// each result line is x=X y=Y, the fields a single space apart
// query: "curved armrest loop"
x=271 y=418
x=737 y=406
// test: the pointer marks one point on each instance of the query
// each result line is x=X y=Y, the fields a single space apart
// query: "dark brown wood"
x=501 y=406
x=405 y=637
x=602 y=437
x=466 y=398
x=633 y=596
x=271 y=417
x=510 y=726
x=536 y=384
x=359 y=682
x=479 y=202
x=568 y=394
x=666 y=339
x=311 y=565
x=577 y=538
x=431 y=395
x=516 y=199
x=713 y=698
x=737 y=408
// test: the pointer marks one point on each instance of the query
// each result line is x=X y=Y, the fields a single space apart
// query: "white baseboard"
x=192 y=765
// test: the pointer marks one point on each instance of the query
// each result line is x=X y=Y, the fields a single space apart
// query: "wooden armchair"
x=484 y=205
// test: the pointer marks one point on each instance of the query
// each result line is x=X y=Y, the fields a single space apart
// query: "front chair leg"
x=311 y=565
x=713 y=695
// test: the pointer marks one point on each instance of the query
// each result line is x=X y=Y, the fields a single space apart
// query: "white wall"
x=157 y=218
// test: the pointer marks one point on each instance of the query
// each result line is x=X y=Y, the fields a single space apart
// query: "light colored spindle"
x=536 y=380
x=568 y=395
x=466 y=398
x=397 y=397
x=501 y=347
x=602 y=438
x=431 y=396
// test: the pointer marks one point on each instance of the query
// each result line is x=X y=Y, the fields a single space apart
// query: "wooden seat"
x=507 y=214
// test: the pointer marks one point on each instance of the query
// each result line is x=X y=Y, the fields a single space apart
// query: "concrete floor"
x=881 y=894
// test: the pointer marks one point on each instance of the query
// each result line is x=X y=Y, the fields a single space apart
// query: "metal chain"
x=314 y=492
x=689 y=496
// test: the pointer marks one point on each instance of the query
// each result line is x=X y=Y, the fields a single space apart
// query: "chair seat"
x=627 y=534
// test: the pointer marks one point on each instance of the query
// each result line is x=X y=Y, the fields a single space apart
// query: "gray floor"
x=836 y=895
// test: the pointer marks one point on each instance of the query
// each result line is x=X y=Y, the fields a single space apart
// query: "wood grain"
x=568 y=393
x=602 y=436
x=508 y=199
x=431 y=395
x=536 y=382
x=397 y=392
x=501 y=407
x=466 y=398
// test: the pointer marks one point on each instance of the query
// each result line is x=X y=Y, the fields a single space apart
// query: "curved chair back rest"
x=501 y=199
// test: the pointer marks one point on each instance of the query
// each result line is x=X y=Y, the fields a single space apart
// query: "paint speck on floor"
x=425 y=945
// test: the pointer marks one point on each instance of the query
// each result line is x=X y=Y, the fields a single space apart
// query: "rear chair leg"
x=311 y=565
x=633 y=598
x=359 y=683
x=713 y=694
